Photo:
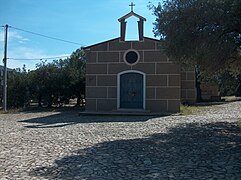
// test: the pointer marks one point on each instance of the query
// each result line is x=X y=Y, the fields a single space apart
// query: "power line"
x=35 y=59
x=49 y=37
x=42 y=35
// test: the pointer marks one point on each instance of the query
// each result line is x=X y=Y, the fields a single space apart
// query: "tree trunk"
x=199 y=92
x=78 y=100
x=198 y=85
x=50 y=101
x=238 y=89
x=39 y=101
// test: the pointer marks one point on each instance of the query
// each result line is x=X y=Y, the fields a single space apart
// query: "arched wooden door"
x=131 y=90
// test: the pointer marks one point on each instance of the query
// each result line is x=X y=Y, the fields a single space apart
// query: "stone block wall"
x=188 y=85
x=105 y=61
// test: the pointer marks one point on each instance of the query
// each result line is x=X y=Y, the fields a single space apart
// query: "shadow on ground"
x=210 y=151
x=65 y=118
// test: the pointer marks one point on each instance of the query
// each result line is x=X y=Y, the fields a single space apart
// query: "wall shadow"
x=65 y=118
x=210 y=151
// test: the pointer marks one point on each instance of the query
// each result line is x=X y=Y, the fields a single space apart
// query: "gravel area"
x=63 y=145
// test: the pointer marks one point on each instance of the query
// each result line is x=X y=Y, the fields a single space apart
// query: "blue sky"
x=80 y=21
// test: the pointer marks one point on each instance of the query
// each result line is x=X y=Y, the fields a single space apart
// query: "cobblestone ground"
x=63 y=145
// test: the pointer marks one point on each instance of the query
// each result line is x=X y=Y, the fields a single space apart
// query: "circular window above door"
x=131 y=57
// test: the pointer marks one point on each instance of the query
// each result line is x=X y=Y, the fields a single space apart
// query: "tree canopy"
x=49 y=83
x=203 y=32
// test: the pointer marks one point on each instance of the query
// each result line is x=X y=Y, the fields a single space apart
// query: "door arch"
x=131 y=90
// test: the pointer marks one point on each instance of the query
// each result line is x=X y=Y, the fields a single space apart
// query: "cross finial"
x=132 y=5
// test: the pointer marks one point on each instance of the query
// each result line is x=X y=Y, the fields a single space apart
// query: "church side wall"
x=188 y=85
x=105 y=61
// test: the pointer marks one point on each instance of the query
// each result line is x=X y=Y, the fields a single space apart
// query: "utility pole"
x=5 y=70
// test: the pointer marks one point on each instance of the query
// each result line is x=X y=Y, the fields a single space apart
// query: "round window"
x=131 y=57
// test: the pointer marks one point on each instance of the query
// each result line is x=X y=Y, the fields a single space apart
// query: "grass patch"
x=188 y=110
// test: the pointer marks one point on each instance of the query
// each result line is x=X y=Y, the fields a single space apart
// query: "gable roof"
x=129 y=15
x=97 y=44
x=90 y=46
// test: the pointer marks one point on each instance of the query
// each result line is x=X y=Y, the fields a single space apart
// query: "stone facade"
x=188 y=85
x=164 y=83
x=210 y=92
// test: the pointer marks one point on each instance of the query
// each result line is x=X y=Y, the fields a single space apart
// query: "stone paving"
x=63 y=145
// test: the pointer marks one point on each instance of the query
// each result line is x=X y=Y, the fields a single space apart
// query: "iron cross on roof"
x=132 y=5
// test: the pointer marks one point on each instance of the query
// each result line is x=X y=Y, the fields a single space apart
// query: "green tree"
x=228 y=84
x=63 y=79
x=49 y=83
x=18 y=92
x=76 y=65
x=203 y=32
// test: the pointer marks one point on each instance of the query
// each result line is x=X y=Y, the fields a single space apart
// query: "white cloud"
x=29 y=53
x=1 y=37
x=19 y=51
x=24 y=54
x=13 y=36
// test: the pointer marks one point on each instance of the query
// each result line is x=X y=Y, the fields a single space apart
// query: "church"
x=135 y=76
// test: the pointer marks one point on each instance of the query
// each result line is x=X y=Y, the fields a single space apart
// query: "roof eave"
x=88 y=47
x=129 y=15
